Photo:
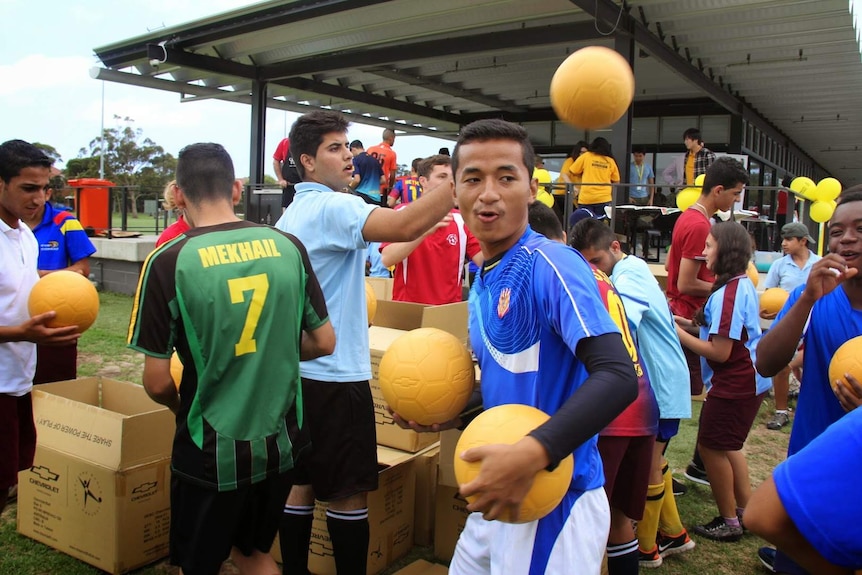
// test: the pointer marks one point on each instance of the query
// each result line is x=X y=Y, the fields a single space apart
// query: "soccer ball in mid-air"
x=592 y=88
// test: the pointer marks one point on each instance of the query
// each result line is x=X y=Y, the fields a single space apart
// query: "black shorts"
x=725 y=423
x=206 y=523
x=17 y=437
x=627 y=462
x=342 y=460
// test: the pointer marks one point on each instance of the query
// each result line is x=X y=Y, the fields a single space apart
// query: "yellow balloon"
x=686 y=198
x=827 y=189
x=698 y=181
x=821 y=211
x=803 y=186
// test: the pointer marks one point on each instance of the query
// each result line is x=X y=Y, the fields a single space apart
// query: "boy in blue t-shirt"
x=824 y=313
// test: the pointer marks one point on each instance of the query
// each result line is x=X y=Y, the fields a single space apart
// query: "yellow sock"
x=669 y=521
x=648 y=526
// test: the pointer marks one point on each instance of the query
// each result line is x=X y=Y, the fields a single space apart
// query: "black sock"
x=294 y=535
x=349 y=533
x=698 y=462
x=623 y=558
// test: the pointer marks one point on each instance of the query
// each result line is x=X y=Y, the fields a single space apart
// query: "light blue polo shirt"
x=784 y=272
x=652 y=324
x=329 y=224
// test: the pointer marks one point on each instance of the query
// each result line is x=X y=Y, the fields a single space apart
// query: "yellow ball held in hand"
x=847 y=359
x=370 y=302
x=772 y=300
x=69 y=294
x=176 y=370
x=508 y=424
x=427 y=376
x=753 y=274
x=592 y=88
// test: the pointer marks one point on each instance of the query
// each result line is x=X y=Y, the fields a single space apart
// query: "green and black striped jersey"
x=233 y=300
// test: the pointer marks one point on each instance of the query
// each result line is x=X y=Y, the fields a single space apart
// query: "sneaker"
x=696 y=474
x=649 y=559
x=779 y=420
x=767 y=558
x=668 y=545
x=718 y=530
x=678 y=487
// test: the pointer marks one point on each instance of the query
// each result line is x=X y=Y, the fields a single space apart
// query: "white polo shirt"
x=19 y=253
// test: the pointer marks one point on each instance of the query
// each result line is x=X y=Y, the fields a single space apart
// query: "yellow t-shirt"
x=595 y=168
x=689 y=169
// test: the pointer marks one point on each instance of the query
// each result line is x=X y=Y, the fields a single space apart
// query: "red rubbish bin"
x=91 y=202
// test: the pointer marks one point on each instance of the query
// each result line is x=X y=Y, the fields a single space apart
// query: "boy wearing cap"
x=787 y=273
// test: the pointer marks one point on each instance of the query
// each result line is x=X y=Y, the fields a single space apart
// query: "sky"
x=48 y=96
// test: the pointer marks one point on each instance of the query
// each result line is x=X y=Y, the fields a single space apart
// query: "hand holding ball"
x=508 y=424
x=847 y=359
x=70 y=295
x=592 y=88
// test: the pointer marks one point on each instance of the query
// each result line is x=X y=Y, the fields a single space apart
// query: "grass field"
x=102 y=352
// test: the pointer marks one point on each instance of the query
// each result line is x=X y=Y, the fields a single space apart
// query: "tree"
x=57 y=181
x=130 y=160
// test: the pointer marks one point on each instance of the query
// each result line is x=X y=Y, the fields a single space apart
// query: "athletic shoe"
x=668 y=545
x=649 y=559
x=767 y=558
x=718 y=530
x=679 y=488
x=779 y=420
x=696 y=474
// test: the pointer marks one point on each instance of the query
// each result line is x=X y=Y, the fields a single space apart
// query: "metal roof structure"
x=790 y=67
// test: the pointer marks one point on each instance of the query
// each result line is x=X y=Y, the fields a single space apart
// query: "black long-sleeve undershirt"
x=611 y=386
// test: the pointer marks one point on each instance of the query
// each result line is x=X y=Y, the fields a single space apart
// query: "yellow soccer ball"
x=427 y=376
x=69 y=294
x=508 y=424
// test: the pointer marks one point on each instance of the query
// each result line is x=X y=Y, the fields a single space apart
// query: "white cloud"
x=40 y=72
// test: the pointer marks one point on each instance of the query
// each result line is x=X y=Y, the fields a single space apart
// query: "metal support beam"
x=470 y=44
x=257 y=135
x=177 y=57
x=621 y=134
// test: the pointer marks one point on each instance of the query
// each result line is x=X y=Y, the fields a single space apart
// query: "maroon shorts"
x=56 y=363
x=627 y=462
x=725 y=423
x=17 y=437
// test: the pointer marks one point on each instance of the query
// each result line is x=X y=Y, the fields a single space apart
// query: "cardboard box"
x=426 y=490
x=446 y=465
x=450 y=518
x=422 y=567
x=660 y=275
x=99 y=488
x=382 y=288
x=406 y=316
x=390 y=517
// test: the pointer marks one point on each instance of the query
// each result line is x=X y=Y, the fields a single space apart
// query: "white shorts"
x=561 y=543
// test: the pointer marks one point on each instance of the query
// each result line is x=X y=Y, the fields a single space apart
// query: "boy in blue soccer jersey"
x=543 y=338
x=824 y=313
